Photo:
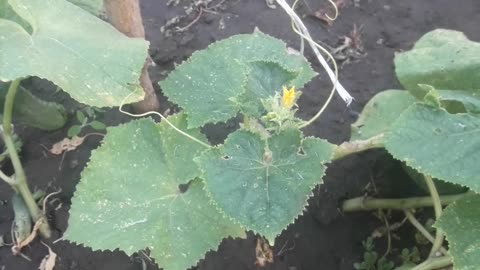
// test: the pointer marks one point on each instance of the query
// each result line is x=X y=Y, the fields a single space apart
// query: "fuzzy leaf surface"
x=264 y=184
x=461 y=223
x=85 y=56
x=442 y=58
x=379 y=113
x=130 y=198
x=210 y=86
x=437 y=143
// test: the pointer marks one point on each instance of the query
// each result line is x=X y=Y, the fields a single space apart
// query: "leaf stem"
x=348 y=148
x=367 y=204
x=19 y=182
x=434 y=263
x=437 y=207
x=411 y=218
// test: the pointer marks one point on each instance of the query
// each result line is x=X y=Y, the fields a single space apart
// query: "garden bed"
x=323 y=237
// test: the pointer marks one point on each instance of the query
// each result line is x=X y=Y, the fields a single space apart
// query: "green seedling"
x=87 y=119
x=371 y=260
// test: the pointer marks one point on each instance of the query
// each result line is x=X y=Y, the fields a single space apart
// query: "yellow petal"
x=288 y=97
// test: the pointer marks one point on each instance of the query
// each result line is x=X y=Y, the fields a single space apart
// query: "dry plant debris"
x=263 y=253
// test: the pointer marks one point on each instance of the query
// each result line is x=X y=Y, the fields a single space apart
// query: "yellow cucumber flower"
x=288 y=97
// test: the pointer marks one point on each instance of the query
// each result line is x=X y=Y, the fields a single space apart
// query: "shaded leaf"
x=32 y=111
x=130 y=198
x=249 y=178
x=461 y=223
x=98 y=125
x=379 y=113
x=80 y=117
x=439 y=144
x=80 y=53
x=74 y=131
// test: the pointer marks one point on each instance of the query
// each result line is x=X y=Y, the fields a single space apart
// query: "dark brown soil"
x=323 y=238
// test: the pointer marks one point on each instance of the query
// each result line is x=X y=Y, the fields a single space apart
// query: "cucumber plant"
x=148 y=187
x=433 y=129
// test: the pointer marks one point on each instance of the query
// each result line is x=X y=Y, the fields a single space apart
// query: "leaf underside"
x=437 y=143
x=130 y=198
x=264 y=184
x=461 y=223
x=213 y=84
x=85 y=56
x=442 y=58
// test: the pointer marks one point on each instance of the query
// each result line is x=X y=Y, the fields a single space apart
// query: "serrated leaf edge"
x=408 y=162
x=304 y=204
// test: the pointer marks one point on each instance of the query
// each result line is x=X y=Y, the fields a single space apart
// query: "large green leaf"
x=132 y=196
x=442 y=58
x=264 y=184
x=82 y=54
x=379 y=113
x=461 y=223
x=211 y=85
x=32 y=111
x=435 y=142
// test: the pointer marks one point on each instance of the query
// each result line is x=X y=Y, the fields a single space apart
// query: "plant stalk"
x=422 y=229
x=19 y=181
x=437 y=207
x=348 y=148
x=368 y=204
x=434 y=263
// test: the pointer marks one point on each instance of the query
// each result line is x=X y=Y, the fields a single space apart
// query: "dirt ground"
x=323 y=237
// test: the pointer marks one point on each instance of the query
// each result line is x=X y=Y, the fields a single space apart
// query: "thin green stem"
x=348 y=148
x=20 y=181
x=434 y=263
x=437 y=207
x=411 y=218
x=368 y=204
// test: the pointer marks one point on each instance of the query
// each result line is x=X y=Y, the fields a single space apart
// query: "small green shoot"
x=371 y=260
x=87 y=119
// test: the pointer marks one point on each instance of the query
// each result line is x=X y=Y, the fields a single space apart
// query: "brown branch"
x=125 y=15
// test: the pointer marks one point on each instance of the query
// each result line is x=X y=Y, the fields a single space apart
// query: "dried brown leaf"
x=263 y=253
x=66 y=145
x=48 y=263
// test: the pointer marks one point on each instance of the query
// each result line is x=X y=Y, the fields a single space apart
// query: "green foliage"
x=131 y=196
x=88 y=120
x=461 y=223
x=233 y=75
x=249 y=176
x=438 y=134
x=32 y=111
x=409 y=257
x=80 y=53
x=371 y=260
